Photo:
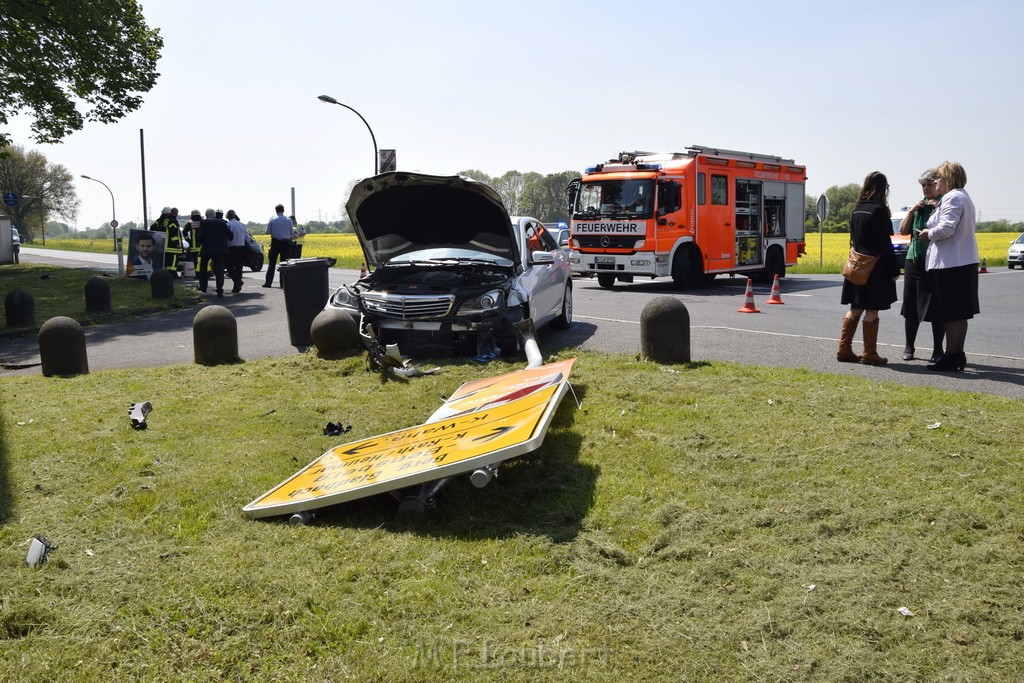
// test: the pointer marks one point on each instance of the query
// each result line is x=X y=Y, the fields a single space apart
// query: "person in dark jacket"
x=214 y=235
x=870 y=230
x=917 y=289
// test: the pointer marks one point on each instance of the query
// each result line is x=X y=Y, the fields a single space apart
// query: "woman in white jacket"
x=952 y=262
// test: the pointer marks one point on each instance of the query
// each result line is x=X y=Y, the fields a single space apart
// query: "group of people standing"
x=218 y=244
x=940 y=283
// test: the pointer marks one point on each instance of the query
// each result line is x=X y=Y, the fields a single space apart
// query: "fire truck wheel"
x=773 y=265
x=606 y=280
x=684 y=274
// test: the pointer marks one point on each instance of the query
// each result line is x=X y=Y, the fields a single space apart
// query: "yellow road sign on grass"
x=512 y=421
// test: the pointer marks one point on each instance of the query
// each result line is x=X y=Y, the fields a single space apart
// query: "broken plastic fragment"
x=138 y=412
x=338 y=429
x=38 y=550
x=905 y=612
x=485 y=357
x=935 y=425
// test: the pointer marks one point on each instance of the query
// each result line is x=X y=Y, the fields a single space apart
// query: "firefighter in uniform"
x=168 y=224
x=191 y=235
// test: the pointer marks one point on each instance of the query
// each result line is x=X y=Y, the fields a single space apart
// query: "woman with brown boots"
x=870 y=228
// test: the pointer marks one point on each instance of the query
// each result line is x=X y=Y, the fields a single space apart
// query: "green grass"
x=669 y=529
x=61 y=291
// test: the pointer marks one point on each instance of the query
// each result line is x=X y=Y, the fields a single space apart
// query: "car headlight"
x=481 y=304
x=345 y=298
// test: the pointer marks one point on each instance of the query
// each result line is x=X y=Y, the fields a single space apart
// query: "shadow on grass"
x=6 y=497
x=544 y=493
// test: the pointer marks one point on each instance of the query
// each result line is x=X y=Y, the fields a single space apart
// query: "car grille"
x=408 y=306
x=607 y=241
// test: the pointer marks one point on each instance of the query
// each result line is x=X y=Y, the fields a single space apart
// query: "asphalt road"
x=801 y=333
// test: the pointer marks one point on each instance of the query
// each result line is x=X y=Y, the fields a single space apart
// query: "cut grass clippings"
x=704 y=522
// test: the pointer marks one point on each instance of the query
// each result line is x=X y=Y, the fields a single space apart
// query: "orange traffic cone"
x=776 y=297
x=748 y=299
x=362 y=270
x=984 y=268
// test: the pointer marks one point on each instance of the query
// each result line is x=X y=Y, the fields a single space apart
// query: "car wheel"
x=256 y=263
x=563 y=321
x=1010 y=266
x=606 y=280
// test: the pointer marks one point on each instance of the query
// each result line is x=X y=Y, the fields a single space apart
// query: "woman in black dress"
x=870 y=230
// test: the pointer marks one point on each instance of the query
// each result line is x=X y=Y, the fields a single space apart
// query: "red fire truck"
x=690 y=215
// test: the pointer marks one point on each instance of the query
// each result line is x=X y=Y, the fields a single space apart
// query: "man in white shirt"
x=237 y=249
x=280 y=230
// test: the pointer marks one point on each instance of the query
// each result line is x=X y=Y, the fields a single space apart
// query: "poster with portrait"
x=145 y=253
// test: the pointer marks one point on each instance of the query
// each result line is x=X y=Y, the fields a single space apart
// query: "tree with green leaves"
x=544 y=198
x=44 y=188
x=57 y=55
x=841 y=200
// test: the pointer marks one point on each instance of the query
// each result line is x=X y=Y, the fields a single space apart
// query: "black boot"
x=938 y=335
x=949 y=362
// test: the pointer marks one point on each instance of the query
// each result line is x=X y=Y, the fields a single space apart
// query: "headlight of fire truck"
x=574 y=243
x=639 y=244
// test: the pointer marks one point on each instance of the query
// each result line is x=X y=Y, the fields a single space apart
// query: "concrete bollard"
x=62 y=348
x=97 y=295
x=20 y=308
x=334 y=333
x=665 y=331
x=161 y=284
x=215 y=336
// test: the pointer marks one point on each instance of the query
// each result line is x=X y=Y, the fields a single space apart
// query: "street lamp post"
x=330 y=100
x=113 y=209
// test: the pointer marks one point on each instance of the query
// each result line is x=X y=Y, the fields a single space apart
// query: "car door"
x=547 y=279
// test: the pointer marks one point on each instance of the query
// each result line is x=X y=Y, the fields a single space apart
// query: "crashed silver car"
x=452 y=271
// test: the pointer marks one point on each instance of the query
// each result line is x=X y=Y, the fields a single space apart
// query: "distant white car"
x=1015 y=256
x=452 y=271
x=15 y=240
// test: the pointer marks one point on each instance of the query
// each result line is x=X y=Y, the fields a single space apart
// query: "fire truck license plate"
x=604 y=259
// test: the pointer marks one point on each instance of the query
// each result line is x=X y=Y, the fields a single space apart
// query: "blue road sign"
x=11 y=199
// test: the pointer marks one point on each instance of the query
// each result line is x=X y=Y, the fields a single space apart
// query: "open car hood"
x=397 y=213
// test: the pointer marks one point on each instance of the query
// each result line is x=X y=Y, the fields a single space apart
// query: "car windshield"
x=445 y=256
x=615 y=199
x=1019 y=240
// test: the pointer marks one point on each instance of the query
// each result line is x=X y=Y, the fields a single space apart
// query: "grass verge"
x=61 y=291
x=705 y=522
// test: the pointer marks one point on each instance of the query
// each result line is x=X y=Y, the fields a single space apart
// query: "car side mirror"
x=541 y=258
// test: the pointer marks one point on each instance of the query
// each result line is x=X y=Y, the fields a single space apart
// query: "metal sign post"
x=822 y=215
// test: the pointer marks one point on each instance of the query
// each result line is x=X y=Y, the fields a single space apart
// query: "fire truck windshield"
x=615 y=199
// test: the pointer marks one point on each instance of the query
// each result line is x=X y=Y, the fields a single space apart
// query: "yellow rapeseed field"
x=344 y=248
x=827 y=255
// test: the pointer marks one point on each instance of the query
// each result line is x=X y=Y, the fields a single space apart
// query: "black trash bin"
x=306 y=290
